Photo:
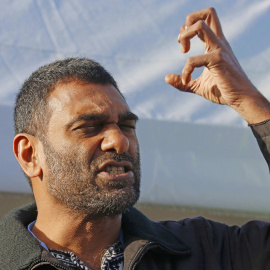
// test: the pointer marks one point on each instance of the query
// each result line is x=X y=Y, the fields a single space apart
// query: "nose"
x=115 y=140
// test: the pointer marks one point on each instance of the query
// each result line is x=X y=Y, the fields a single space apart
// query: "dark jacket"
x=185 y=245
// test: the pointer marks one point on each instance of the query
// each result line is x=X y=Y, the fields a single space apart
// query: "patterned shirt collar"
x=113 y=258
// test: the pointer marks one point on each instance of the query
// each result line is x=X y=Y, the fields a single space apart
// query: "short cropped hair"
x=31 y=113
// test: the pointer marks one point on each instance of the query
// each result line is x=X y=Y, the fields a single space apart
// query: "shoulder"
x=23 y=215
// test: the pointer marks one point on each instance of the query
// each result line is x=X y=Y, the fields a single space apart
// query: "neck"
x=68 y=231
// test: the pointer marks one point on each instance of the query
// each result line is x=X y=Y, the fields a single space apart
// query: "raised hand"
x=223 y=80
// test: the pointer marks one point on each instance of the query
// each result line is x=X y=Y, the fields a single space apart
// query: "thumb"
x=175 y=80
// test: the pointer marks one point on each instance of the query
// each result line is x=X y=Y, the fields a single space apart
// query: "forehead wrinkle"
x=103 y=116
x=92 y=103
x=89 y=117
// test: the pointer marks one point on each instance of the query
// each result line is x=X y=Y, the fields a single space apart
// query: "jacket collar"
x=18 y=249
x=136 y=224
x=16 y=246
x=142 y=234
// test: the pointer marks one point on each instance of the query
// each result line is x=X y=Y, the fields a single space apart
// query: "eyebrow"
x=100 y=116
x=128 y=116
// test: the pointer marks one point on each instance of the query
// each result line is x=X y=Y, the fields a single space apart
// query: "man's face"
x=91 y=150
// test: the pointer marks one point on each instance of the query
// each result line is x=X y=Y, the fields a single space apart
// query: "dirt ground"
x=8 y=201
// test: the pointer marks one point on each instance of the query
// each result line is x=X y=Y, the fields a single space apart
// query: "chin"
x=112 y=203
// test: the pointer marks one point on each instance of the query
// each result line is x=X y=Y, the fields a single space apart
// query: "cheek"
x=91 y=148
x=134 y=147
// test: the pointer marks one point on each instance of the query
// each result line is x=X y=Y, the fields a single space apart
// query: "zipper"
x=139 y=255
x=37 y=263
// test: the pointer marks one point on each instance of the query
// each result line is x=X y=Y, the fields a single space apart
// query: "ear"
x=26 y=149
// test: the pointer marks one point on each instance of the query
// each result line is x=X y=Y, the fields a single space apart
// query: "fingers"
x=210 y=17
x=185 y=42
x=202 y=30
x=206 y=25
x=193 y=62
x=184 y=82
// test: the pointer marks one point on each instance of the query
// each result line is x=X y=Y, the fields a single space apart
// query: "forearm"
x=253 y=107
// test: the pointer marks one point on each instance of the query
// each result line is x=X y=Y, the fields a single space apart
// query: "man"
x=76 y=142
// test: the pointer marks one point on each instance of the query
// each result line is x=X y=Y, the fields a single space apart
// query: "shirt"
x=112 y=259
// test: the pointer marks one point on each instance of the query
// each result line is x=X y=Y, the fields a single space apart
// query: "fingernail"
x=182 y=48
x=185 y=27
x=183 y=82
x=178 y=39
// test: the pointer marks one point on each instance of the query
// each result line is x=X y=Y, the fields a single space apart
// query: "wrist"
x=253 y=107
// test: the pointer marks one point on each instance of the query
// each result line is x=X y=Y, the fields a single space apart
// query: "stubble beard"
x=73 y=181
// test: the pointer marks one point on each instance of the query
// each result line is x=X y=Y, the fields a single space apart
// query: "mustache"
x=112 y=156
x=121 y=157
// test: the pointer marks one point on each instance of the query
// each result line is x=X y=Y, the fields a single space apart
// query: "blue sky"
x=136 y=41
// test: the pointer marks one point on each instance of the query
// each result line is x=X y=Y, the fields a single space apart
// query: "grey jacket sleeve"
x=262 y=133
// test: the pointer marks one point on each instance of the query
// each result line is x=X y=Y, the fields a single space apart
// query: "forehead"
x=73 y=99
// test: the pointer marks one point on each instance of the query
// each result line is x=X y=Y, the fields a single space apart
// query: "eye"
x=129 y=127
x=89 y=129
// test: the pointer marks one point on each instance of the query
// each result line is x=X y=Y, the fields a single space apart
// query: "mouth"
x=113 y=170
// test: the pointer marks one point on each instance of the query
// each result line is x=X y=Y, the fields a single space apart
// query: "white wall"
x=182 y=164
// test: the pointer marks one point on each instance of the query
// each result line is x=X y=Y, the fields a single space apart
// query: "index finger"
x=209 y=15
